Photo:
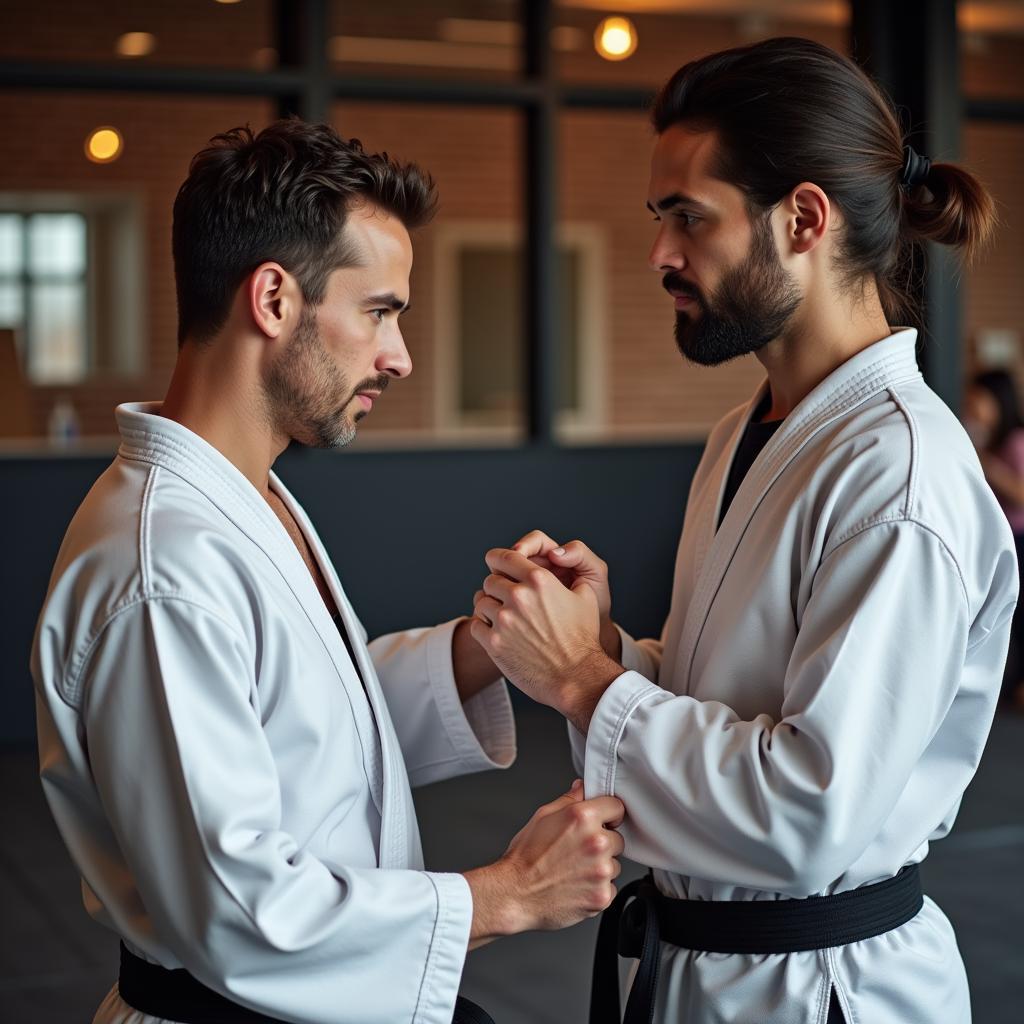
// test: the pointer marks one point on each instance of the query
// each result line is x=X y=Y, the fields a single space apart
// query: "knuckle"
x=537 y=577
x=598 y=843
x=583 y=814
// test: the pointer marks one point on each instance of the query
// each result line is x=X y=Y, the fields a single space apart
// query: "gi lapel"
x=147 y=437
x=698 y=534
x=393 y=839
x=878 y=367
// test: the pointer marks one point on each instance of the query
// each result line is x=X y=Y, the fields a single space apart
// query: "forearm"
x=474 y=671
x=496 y=911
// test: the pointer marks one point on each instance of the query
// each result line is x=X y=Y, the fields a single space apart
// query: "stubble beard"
x=750 y=308
x=303 y=391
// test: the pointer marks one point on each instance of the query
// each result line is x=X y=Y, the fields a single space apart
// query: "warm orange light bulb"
x=103 y=145
x=135 y=44
x=615 y=38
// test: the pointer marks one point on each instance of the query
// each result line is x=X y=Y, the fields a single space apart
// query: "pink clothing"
x=1012 y=454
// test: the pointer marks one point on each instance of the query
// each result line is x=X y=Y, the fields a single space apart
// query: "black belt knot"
x=641 y=917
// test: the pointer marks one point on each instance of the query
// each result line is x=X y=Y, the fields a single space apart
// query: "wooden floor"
x=55 y=964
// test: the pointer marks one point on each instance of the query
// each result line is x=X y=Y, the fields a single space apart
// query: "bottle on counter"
x=63 y=425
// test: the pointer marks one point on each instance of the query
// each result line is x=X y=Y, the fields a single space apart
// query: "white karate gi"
x=825 y=683
x=236 y=803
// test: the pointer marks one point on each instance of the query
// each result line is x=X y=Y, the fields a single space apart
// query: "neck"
x=215 y=392
x=822 y=336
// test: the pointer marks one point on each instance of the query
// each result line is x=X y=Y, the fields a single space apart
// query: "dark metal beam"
x=1006 y=111
x=434 y=90
x=120 y=78
x=301 y=27
x=601 y=97
x=543 y=333
x=911 y=49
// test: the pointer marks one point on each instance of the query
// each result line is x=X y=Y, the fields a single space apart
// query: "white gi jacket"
x=825 y=683
x=236 y=803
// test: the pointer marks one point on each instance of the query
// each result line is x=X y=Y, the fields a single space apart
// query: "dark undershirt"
x=755 y=437
x=348 y=645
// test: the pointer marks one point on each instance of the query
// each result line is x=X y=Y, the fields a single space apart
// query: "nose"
x=394 y=358
x=665 y=255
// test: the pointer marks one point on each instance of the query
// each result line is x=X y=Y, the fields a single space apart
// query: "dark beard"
x=750 y=307
x=308 y=395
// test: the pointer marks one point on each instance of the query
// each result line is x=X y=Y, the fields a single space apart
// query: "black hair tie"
x=916 y=168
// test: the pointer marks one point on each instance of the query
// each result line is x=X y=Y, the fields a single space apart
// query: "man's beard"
x=308 y=395
x=750 y=307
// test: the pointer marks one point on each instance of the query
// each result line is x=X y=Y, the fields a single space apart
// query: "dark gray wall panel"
x=407 y=530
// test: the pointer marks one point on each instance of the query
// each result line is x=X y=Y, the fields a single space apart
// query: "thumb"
x=576 y=555
x=568 y=556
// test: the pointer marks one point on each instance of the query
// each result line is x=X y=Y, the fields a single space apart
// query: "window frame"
x=589 y=241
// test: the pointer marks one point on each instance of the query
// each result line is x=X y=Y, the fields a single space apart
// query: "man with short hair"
x=227 y=760
x=826 y=679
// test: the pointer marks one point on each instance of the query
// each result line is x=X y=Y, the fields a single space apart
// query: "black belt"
x=176 y=995
x=732 y=926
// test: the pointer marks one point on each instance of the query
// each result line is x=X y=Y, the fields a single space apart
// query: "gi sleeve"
x=786 y=806
x=191 y=791
x=643 y=656
x=441 y=737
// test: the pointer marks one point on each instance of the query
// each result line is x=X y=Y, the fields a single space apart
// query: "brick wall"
x=476 y=156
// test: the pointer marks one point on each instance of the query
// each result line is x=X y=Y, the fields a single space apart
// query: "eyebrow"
x=677 y=199
x=389 y=299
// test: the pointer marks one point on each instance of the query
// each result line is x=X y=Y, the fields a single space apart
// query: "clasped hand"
x=541 y=615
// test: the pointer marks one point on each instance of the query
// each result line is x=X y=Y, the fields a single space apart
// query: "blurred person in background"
x=992 y=418
x=227 y=760
x=826 y=680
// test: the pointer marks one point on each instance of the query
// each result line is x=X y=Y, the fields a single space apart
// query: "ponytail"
x=952 y=207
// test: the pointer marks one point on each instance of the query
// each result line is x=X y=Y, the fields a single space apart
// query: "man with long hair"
x=826 y=679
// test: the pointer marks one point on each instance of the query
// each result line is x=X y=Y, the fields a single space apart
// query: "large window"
x=499 y=111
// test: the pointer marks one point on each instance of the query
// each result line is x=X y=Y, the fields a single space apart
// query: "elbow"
x=813 y=856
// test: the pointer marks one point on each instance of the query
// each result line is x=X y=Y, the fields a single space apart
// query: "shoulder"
x=144 y=534
x=904 y=458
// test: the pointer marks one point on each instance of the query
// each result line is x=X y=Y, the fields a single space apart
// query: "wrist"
x=584 y=687
x=471 y=664
x=497 y=908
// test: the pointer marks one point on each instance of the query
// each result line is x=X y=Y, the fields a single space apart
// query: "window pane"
x=11 y=311
x=991 y=40
x=443 y=39
x=168 y=32
x=993 y=298
x=56 y=244
x=11 y=252
x=57 y=344
x=490 y=331
x=130 y=316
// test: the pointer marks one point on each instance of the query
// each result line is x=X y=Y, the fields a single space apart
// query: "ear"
x=273 y=298
x=808 y=215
